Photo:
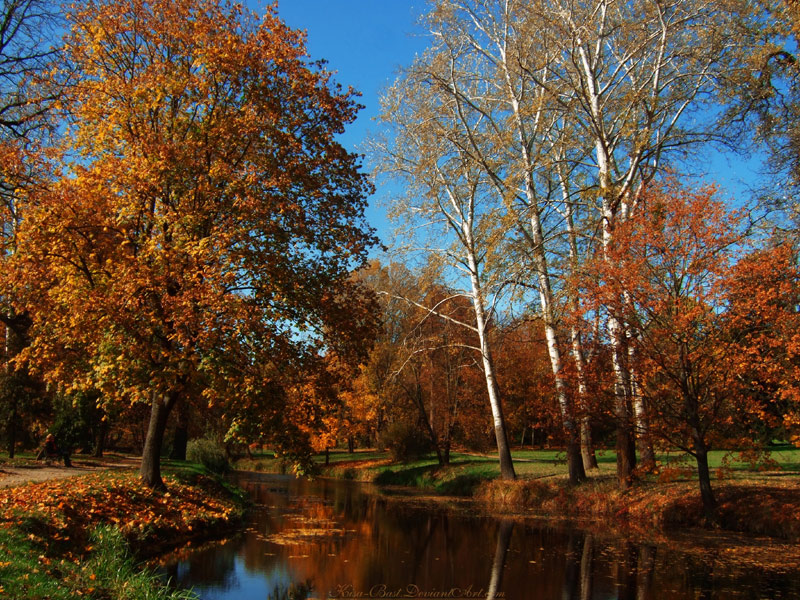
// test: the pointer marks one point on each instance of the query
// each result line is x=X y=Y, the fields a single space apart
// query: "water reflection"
x=331 y=539
x=504 y=532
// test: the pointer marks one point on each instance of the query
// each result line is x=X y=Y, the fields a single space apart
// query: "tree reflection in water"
x=350 y=539
x=294 y=591
x=504 y=531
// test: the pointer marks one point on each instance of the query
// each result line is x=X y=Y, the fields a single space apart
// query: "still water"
x=339 y=539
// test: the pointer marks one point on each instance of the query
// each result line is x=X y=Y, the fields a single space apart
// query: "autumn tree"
x=500 y=119
x=201 y=229
x=526 y=379
x=676 y=260
x=564 y=112
x=436 y=352
x=26 y=95
x=767 y=107
x=636 y=99
x=764 y=323
x=415 y=371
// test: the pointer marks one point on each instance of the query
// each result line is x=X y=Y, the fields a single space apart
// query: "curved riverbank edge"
x=757 y=509
x=648 y=515
x=765 y=504
x=84 y=536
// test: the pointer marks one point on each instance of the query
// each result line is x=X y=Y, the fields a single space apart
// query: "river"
x=340 y=539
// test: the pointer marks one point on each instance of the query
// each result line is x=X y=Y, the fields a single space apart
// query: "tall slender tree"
x=701 y=347
x=448 y=203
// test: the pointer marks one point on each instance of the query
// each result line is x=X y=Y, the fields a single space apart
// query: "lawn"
x=466 y=470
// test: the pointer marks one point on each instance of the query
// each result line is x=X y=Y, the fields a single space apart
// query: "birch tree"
x=568 y=109
x=639 y=80
x=449 y=207
x=511 y=127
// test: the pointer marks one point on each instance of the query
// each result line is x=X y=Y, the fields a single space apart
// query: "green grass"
x=340 y=456
x=109 y=572
x=54 y=543
x=467 y=470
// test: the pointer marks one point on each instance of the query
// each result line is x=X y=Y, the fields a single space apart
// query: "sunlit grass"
x=467 y=469
x=76 y=537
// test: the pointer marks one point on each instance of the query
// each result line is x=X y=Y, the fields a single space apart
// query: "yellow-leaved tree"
x=202 y=222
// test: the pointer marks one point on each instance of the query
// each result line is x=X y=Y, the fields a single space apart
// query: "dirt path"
x=21 y=474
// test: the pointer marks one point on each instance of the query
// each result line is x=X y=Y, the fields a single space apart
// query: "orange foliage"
x=713 y=326
x=66 y=510
x=202 y=220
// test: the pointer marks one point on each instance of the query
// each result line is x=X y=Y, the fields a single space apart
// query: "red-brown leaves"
x=65 y=510
x=713 y=323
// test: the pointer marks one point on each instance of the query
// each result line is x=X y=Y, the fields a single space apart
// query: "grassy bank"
x=83 y=536
x=468 y=470
x=754 y=497
x=749 y=506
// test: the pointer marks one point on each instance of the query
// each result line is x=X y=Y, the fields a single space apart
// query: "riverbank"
x=752 y=507
x=761 y=500
x=83 y=536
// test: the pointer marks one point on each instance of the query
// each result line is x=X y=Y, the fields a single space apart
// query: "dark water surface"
x=346 y=540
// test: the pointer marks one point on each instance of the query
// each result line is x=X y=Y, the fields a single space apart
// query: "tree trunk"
x=587 y=568
x=351 y=444
x=503 y=448
x=181 y=437
x=587 y=445
x=574 y=460
x=11 y=429
x=536 y=241
x=587 y=449
x=610 y=202
x=100 y=438
x=423 y=416
x=327 y=456
x=704 y=477
x=644 y=438
x=626 y=453
x=577 y=473
x=13 y=345
x=572 y=579
x=647 y=564
x=150 y=469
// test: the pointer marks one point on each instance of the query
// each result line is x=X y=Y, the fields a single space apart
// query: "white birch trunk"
x=503 y=450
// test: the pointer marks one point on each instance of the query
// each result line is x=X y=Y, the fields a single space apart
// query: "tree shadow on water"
x=294 y=591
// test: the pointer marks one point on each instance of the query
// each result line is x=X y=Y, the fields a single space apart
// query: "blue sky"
x=364 y=42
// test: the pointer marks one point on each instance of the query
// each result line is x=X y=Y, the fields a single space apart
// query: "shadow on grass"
x=411 y=476
x=441 y=479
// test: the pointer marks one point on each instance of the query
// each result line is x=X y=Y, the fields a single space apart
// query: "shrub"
x=209 y=454
x=405 y=442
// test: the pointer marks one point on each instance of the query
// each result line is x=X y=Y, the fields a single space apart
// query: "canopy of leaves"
x=201 y=221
